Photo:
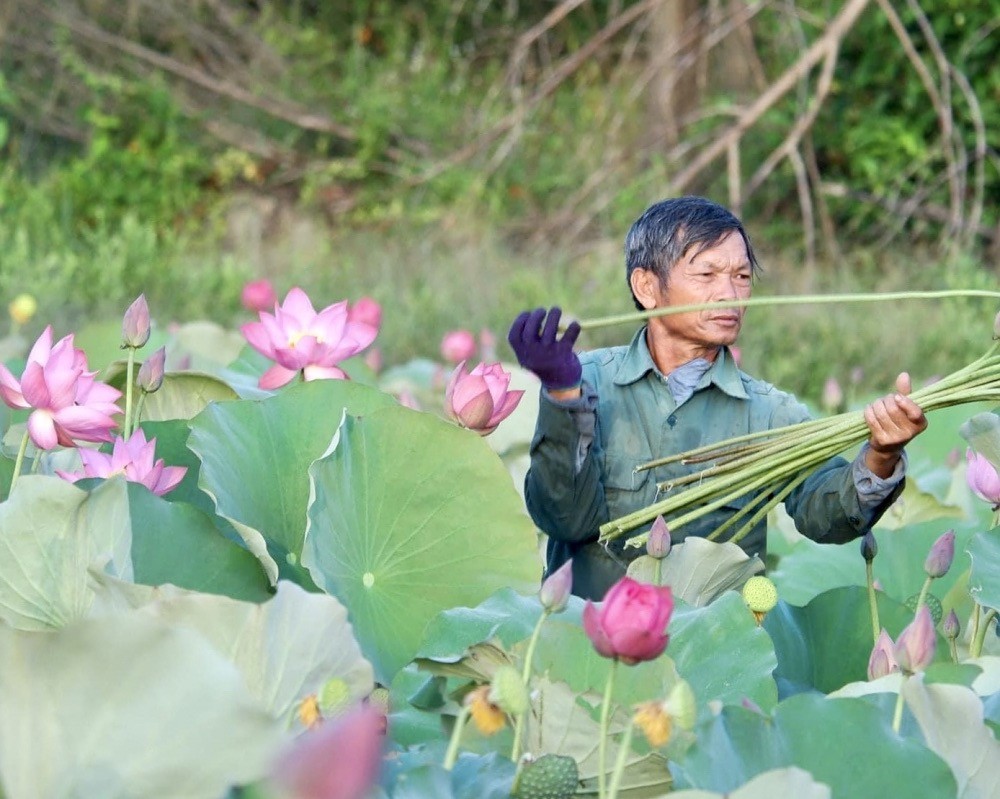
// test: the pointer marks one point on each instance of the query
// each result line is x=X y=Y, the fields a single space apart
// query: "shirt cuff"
x=872 y=489
x=582 y=411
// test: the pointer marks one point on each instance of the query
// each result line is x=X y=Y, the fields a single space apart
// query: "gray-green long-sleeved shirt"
x=584 y=452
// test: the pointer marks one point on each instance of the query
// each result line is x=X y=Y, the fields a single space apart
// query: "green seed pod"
x=508 y=692
x=760 y=594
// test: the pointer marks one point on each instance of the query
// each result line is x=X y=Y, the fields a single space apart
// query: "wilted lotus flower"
x=631 y=624
x=339 y=759
x=556 y=588
x=258 y=295
x=658 y=543
x=66 y=403
x=150 y=376
x=941 y=554
x=458 y=345
x=300 y=340
x=135 y=324
x=134 y=459
x=480 y=400
x=982 y=478
x=882 y=660
x=914 y=649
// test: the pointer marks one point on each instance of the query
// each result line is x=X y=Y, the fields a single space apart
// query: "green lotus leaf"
x=811 y=657
x=171 y=445
x=982 y=431
x=255 y=457
x=182 y=395
x=783 y=782
x=844 y=743
x=410 y=516
x=124 y=707
x=51 y=533
x=951 y=720
x=286 y=648
x=984 y=579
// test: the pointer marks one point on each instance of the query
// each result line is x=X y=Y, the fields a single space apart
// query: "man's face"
x=720 y=272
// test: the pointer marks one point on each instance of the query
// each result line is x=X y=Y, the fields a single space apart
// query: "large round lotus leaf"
x=182 y=395
x=780 y=782
x=255 y=454
x=126 y=706
x=286 y=648
x=984 y=580
x=173 y=542
x=51 y=533
x=826 y=644
x=171 y=445
x=411 y=516
x=844 y=743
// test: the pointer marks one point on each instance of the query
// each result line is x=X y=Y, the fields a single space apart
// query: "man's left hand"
x=893 y=421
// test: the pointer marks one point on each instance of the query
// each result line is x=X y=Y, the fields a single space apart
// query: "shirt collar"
x=638 y=362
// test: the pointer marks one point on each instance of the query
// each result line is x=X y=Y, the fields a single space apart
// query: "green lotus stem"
x=451 y=756
x=624 y=747
x=953 y=648
x=18 y=462
x=138 y=408
x=529 y=656
x=658 y=572
x=804 y=299
x=977 y=612
x=129 y=369
x=740 y=534
x=924 y=590
x=897 y=716
x=602 y=744
x=753 y=503
x=976 y=649
x=872 y=601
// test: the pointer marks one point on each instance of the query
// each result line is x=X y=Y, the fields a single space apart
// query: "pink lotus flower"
x=132 y=458
x=915 y=645
x=556 y=588
x=458 y=345
x=339 y=759
x=982 y=477
x=882 y=660
x=631 y=624
x=300 y=340
x=258 y=295
x=479 y=400
x=67 y=404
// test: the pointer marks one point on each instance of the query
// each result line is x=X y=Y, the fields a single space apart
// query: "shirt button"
x=854 y=520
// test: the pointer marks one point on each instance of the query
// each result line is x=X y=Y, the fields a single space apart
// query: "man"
x=673 y=388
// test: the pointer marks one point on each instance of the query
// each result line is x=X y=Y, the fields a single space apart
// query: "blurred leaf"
x=739 y=744
x=409 y=516
x=982 y=432
x=984 y=579
x=782 y=782
x=285 y=648
x=697 y=570
x=105 y=708
x=101 y=340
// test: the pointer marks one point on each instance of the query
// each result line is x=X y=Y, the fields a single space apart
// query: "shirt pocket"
x=626 y=490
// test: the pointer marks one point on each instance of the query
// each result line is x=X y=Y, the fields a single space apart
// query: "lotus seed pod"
x=548 y=777
x=760 y=595
x=941 y=554
x=379 y=699
x=658 y=543
x=951 y=627
x=869 y=546
x=334 y=697
x=556 y=588
x=682 y=706
x=932 y=602
x=508 y=692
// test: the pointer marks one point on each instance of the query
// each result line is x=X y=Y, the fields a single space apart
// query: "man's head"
x=671 y=229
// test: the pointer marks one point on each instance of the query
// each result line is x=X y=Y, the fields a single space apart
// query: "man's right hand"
x=539 y=351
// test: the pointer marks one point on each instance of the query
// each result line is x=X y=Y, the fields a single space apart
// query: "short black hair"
x=668 y=229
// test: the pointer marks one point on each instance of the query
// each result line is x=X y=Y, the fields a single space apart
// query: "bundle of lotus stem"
x=769 y=464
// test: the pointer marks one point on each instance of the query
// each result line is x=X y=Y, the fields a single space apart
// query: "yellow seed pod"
x=22 y=308
x=760 y=594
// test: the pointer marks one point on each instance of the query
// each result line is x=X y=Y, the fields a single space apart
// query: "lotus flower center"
x=298 y=334
x=368 y=579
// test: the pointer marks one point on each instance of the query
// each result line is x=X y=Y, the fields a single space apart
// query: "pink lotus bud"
x=857 y=375
x=869 y=546
x=366 y=311
x=833 y=396
x=951 y=627
x=135 y=325
x=480 y=399
x=258 y=295
x=954 y=458
x=982 y=477
x=882 y=660
x=631 y=622
x=914 y=649
x=150 y=376
x=658 y=543
x=556 y=588
x=373 y=359
x=407 y=400
x=941 y=555
x=458 y=345
x=339 y=759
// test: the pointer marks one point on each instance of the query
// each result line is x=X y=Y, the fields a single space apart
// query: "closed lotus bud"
x=833 y=395
x=556 y=588
x=951 y=627
x=508 y=691
x=942 y=553
x=150 y=376
x=914 y=649
x=882 y=660
x=22 y=308
x=682 y=706
x=458 y=345
x=658 y=543
x=258 y=295
x=135 y=324
x=982 y=478
x=869 y=546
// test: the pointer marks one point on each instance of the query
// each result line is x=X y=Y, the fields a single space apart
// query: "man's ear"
x=645 y=286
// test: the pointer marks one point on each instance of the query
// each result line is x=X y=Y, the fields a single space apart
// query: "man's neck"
x=668 y=355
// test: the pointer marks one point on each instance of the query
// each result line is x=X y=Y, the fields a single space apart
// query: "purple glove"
x=537 y=349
